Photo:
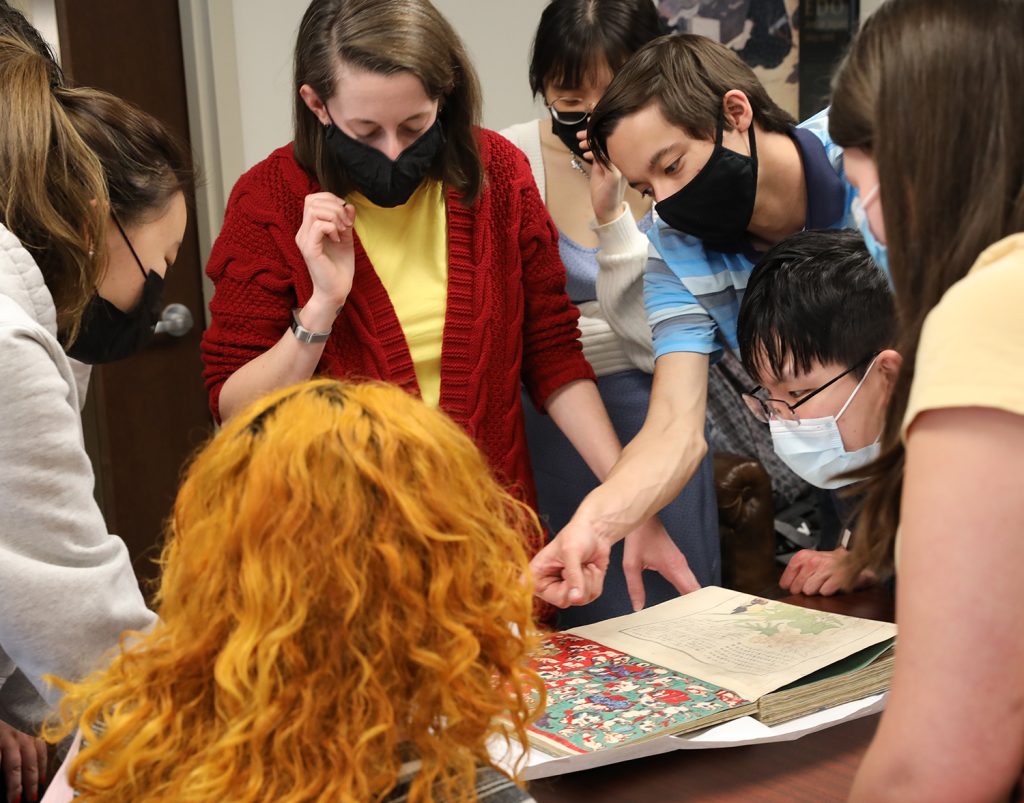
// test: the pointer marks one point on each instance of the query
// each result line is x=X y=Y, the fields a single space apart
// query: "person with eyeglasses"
x=579 y=46
x=816 y=329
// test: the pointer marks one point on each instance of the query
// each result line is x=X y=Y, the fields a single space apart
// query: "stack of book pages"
x=699 y=660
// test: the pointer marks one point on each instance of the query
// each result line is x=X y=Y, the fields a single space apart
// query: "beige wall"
x=43 y=15
x=497 y=34
x=867 y=8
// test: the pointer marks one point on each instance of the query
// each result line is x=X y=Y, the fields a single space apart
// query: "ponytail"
x=53 y=192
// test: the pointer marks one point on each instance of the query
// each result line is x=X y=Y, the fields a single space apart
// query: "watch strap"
x=304 y=335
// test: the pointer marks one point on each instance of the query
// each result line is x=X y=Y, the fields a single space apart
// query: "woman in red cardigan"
x=396 y=240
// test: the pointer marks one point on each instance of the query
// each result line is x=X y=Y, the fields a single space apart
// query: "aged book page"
x=740 y=642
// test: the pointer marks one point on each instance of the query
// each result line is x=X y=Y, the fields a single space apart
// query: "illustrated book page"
x=739 y=642
x=598 y=697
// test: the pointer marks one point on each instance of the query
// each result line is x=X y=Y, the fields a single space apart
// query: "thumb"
x=572 y=574
x=634 y=574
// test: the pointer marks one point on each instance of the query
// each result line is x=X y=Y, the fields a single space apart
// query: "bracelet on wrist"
x=304 y=335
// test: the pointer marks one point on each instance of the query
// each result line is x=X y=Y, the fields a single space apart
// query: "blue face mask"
x=878 y=251
x=813 y=448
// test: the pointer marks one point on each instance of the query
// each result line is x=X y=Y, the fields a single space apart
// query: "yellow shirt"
x=971 y=352
x=408 y=247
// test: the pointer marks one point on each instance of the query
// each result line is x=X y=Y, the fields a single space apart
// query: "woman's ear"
x=314 y=104
x=888 y=363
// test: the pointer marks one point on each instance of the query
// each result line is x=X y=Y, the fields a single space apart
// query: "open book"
x=699 y=660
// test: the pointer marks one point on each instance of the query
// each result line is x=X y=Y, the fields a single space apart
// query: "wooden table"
x=817 y=768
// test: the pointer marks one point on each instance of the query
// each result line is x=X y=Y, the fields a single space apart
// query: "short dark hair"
x=687 y=76
x=815 y=297
x=575 y=36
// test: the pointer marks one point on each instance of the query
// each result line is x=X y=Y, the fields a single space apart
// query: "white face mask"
x=813 y=448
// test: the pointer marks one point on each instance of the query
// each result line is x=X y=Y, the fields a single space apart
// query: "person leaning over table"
x=578 y=47
x=92 y=213
x=395 y=239
x=687 y=122
x=816 y=329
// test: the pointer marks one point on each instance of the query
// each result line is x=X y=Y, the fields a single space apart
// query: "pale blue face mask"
x=813 y=448
x=878 y=251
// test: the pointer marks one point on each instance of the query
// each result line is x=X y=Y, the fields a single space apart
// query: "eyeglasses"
x=570 y=111
x=766 y=410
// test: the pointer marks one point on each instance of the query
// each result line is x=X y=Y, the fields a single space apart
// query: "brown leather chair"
x=746 y=522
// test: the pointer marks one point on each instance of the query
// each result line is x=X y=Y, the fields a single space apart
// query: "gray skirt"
x=563 y=479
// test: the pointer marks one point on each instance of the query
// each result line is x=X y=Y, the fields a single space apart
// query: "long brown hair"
x=931 y=89
x=53 y=194
x=144 y=164
x=69 y=157
x=387 y=37
x=687 y=76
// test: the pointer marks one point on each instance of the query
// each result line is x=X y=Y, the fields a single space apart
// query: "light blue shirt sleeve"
x=678 y=321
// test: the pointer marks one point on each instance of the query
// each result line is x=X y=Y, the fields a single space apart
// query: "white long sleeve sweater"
x=615 y=333
x=67 y=590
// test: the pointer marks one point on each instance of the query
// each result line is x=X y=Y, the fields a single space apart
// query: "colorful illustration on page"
x=599 y=697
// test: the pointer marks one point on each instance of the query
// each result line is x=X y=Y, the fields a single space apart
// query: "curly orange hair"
x=343 y=589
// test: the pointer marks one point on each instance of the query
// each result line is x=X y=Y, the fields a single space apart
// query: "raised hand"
x=607 y=186
x=325 y=242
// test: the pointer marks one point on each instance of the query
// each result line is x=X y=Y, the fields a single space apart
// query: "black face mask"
x=383 y=181
x=717 y=204
x=567 y=133
x=108 y=333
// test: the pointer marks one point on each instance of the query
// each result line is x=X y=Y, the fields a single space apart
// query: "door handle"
x=176 y=320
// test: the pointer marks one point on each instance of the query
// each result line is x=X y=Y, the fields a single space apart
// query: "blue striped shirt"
x=693 y=294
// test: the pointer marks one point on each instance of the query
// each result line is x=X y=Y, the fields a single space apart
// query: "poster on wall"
x=762 y=32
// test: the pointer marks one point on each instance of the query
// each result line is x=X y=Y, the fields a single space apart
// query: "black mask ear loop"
x=719 y=139
x=128 y=242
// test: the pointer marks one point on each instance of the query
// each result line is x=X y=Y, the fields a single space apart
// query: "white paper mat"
x=736 y=733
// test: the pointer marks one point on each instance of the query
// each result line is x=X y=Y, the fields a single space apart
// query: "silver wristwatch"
x=303 y=335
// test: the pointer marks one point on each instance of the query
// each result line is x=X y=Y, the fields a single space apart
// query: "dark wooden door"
x=144 y=415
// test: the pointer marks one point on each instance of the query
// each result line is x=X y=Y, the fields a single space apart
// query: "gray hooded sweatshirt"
x=67 y=590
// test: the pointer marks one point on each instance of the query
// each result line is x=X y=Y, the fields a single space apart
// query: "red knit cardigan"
x=508 y=318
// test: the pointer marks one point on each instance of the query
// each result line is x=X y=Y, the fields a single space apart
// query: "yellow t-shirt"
x=971 y=352
x=408 y=246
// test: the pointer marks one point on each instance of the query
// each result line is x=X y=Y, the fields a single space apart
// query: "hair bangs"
x=583 y=58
